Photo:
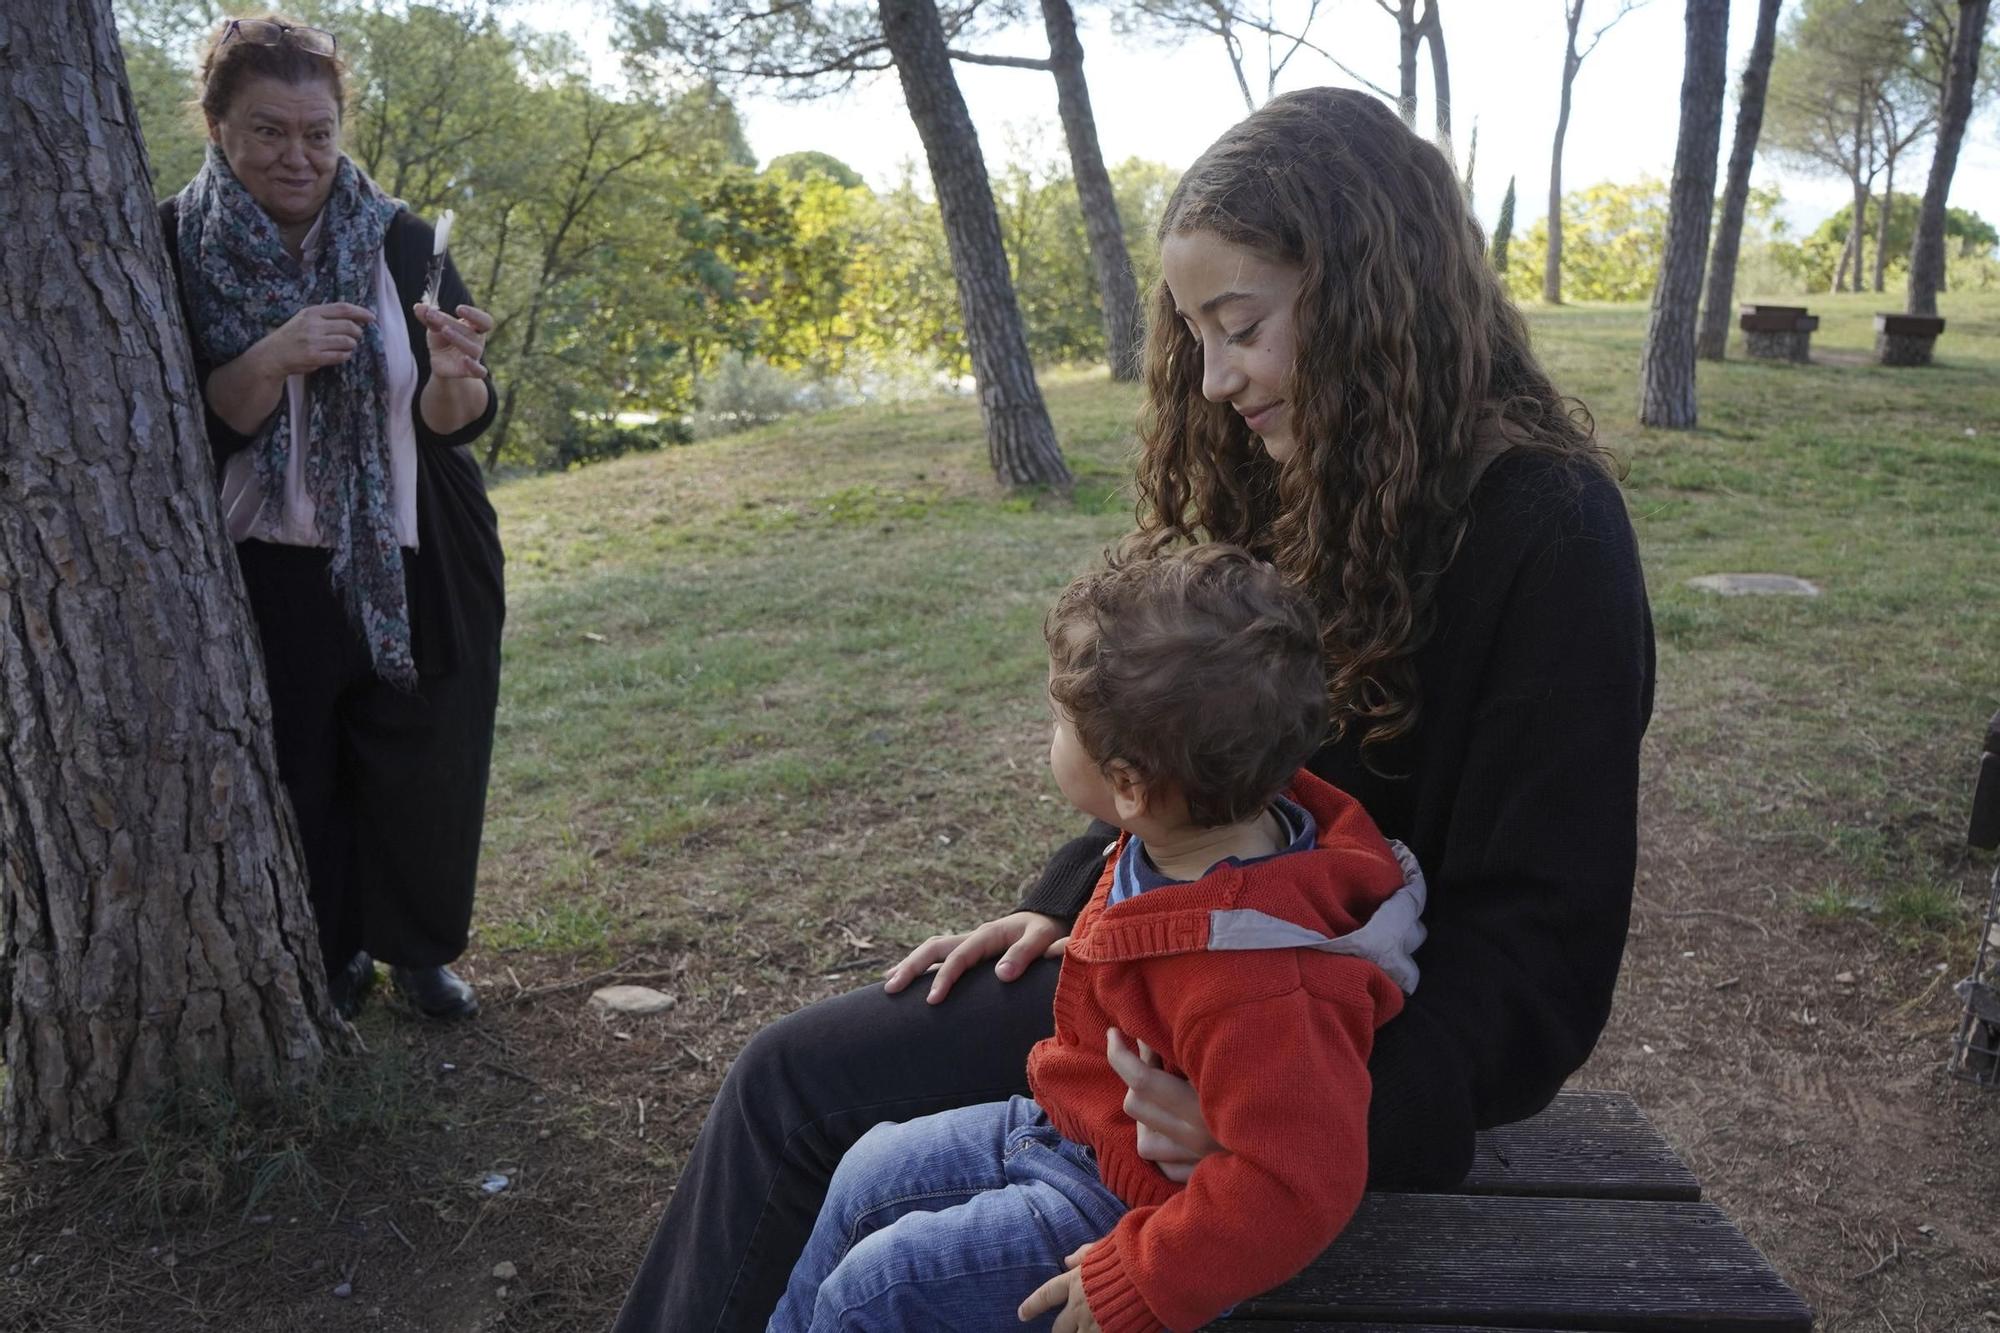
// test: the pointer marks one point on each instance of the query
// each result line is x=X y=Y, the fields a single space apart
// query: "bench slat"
x=1295 y=1326
x=1600 y=1264
x=1585 y=1145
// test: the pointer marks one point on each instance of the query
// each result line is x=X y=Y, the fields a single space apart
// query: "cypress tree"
x=1503 y=230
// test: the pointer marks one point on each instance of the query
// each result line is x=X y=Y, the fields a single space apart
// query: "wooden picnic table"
x=1580 y=1219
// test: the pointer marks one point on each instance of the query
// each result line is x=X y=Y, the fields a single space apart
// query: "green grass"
x=750 y=682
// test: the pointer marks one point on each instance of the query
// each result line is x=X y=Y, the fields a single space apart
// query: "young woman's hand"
x=1063 y=1292
x=1018 y=939
x=1173 y=1134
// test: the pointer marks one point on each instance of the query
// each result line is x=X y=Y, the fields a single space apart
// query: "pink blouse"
x=243 y=496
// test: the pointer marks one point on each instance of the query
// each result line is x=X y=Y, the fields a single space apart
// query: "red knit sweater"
x=1276 y=1042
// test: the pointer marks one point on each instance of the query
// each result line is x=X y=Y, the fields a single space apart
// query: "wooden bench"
x=1581 y=1218
x=1777 y=332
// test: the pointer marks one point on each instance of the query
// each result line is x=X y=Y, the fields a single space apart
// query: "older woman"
x=338 y=407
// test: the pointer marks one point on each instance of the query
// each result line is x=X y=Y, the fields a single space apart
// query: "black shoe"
x=437 y=992
x=349 y=984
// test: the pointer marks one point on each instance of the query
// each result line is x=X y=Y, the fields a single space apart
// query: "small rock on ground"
x=631 y=1000
x=1739 y=585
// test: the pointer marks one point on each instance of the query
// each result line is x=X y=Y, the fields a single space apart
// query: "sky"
x=1166 y=102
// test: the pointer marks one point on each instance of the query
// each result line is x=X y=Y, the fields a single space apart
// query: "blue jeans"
x=948 y=1221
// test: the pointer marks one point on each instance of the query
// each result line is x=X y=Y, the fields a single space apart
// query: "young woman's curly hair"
x=1412 y=367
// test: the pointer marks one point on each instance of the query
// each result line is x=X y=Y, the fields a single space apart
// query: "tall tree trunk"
x=1117 y=289
x=1882 y=222
x=1846 y=257
x=1552 y=291
x=1712 y=340
x=1408 y=34
x=1863 y=179
x=1857 y=229
x=1666 y=369
x=1432 y=31
x=154 y=926
x=1927 y=252
x=1020 y=438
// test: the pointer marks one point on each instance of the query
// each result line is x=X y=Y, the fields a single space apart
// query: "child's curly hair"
x=1200 y=669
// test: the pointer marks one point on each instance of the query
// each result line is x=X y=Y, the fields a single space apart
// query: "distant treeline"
x=652 y=282
x=641 y=265
x=1613 y=237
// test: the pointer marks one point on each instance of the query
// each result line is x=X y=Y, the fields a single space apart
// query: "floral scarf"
x=241 y=285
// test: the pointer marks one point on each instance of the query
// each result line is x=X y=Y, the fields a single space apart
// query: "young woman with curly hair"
x=1336 y=382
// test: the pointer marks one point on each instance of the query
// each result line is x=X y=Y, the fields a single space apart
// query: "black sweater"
x=454 y=577
x=1520 y=800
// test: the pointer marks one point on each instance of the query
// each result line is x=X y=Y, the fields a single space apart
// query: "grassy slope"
x=745 y=641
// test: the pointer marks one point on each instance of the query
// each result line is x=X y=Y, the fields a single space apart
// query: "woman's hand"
x=455 y=344
x=245 y=392
x=1063 y=1292
x=1173 y=1134
x=1018 y=939
x=318 y=336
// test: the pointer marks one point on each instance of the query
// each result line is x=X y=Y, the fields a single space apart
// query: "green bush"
x=592 y=440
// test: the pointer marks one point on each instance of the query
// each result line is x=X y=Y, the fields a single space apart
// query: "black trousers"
x=389 y=787
x=799 y=1095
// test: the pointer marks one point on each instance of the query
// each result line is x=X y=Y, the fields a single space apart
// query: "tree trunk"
x=1407 y=36
x=1927 y=252
x=1552 y=290
x=154 y=927
x=1712 y=340
x=1666 y=369
x=1020 y=438
x=501 y=425
x=1846 y=256
x=1117 y=289
x=1432 y=31
x=1859 y=231
x=1882 y=221
x=1857 y=224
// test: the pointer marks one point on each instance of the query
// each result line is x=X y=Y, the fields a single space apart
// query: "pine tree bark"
x=154 y=925
x=1927 y=252
x=1117 y=288
x=1020 y=438
x=1712 y=340
x=1666 y=368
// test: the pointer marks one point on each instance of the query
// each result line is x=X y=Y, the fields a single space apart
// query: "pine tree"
x=1503 y=230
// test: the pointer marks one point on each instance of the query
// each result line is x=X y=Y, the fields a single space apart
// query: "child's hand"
x=1065 y=1291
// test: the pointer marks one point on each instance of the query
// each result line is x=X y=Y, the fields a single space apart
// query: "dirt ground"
x=1798 y=1064
x=1796 y=1061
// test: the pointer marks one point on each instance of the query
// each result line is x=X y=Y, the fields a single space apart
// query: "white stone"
x=505 y=1270
x=1741 y=585
x=631 y=1000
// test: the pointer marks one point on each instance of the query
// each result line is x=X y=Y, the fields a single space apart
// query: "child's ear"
x=1129 y=793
